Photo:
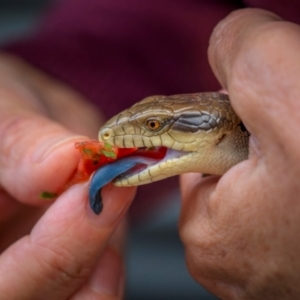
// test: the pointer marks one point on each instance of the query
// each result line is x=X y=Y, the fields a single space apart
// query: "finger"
x=33 y=151
x=190 y=182
x=16 y=219
x=106 y=281
x=48 y=95
x=254 y=54
x=64 y=246
x=29 y=137
x=36 y=155
x=17 y=222
x=195 y=192
x=230 y=36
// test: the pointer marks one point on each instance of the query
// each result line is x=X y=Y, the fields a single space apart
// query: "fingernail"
x=108 y=277
x=116 y=202
x=47 y=147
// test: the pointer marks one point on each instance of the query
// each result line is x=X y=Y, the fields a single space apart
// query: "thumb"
x=254 y=54
x=59 y=255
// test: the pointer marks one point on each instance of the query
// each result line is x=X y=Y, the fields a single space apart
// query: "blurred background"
x=18 y=17
x=155 y=256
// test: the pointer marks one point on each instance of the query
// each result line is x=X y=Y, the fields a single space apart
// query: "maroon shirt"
x=117 y=52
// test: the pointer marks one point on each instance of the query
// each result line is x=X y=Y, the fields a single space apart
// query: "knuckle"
x=63 y=266
x=198 y=235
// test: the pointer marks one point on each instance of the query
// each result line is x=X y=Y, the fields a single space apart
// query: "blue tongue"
x=106 y=174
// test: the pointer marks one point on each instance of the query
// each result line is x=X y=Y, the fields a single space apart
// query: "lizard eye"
x=153 y=124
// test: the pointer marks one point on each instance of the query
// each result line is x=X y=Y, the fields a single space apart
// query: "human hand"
x=62 y=251
x=241 y=231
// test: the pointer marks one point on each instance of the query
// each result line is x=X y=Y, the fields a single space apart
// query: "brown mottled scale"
x=203 y=126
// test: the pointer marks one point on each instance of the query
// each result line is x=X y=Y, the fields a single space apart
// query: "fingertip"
x=115 y=203
x=253 y=53
x=228 y=36
x=71 y=211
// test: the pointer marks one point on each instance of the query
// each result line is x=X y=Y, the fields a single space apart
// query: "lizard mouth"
x=140 y=167
x=152 y=152
x=145 y=158
x=146 y=167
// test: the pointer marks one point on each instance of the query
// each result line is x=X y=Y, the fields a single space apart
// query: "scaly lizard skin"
x=201 y=131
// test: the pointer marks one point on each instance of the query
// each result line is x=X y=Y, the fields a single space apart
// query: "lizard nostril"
x=105 y=134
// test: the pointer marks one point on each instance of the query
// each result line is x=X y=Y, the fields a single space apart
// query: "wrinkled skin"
x=241 y=231
x=65 y=251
